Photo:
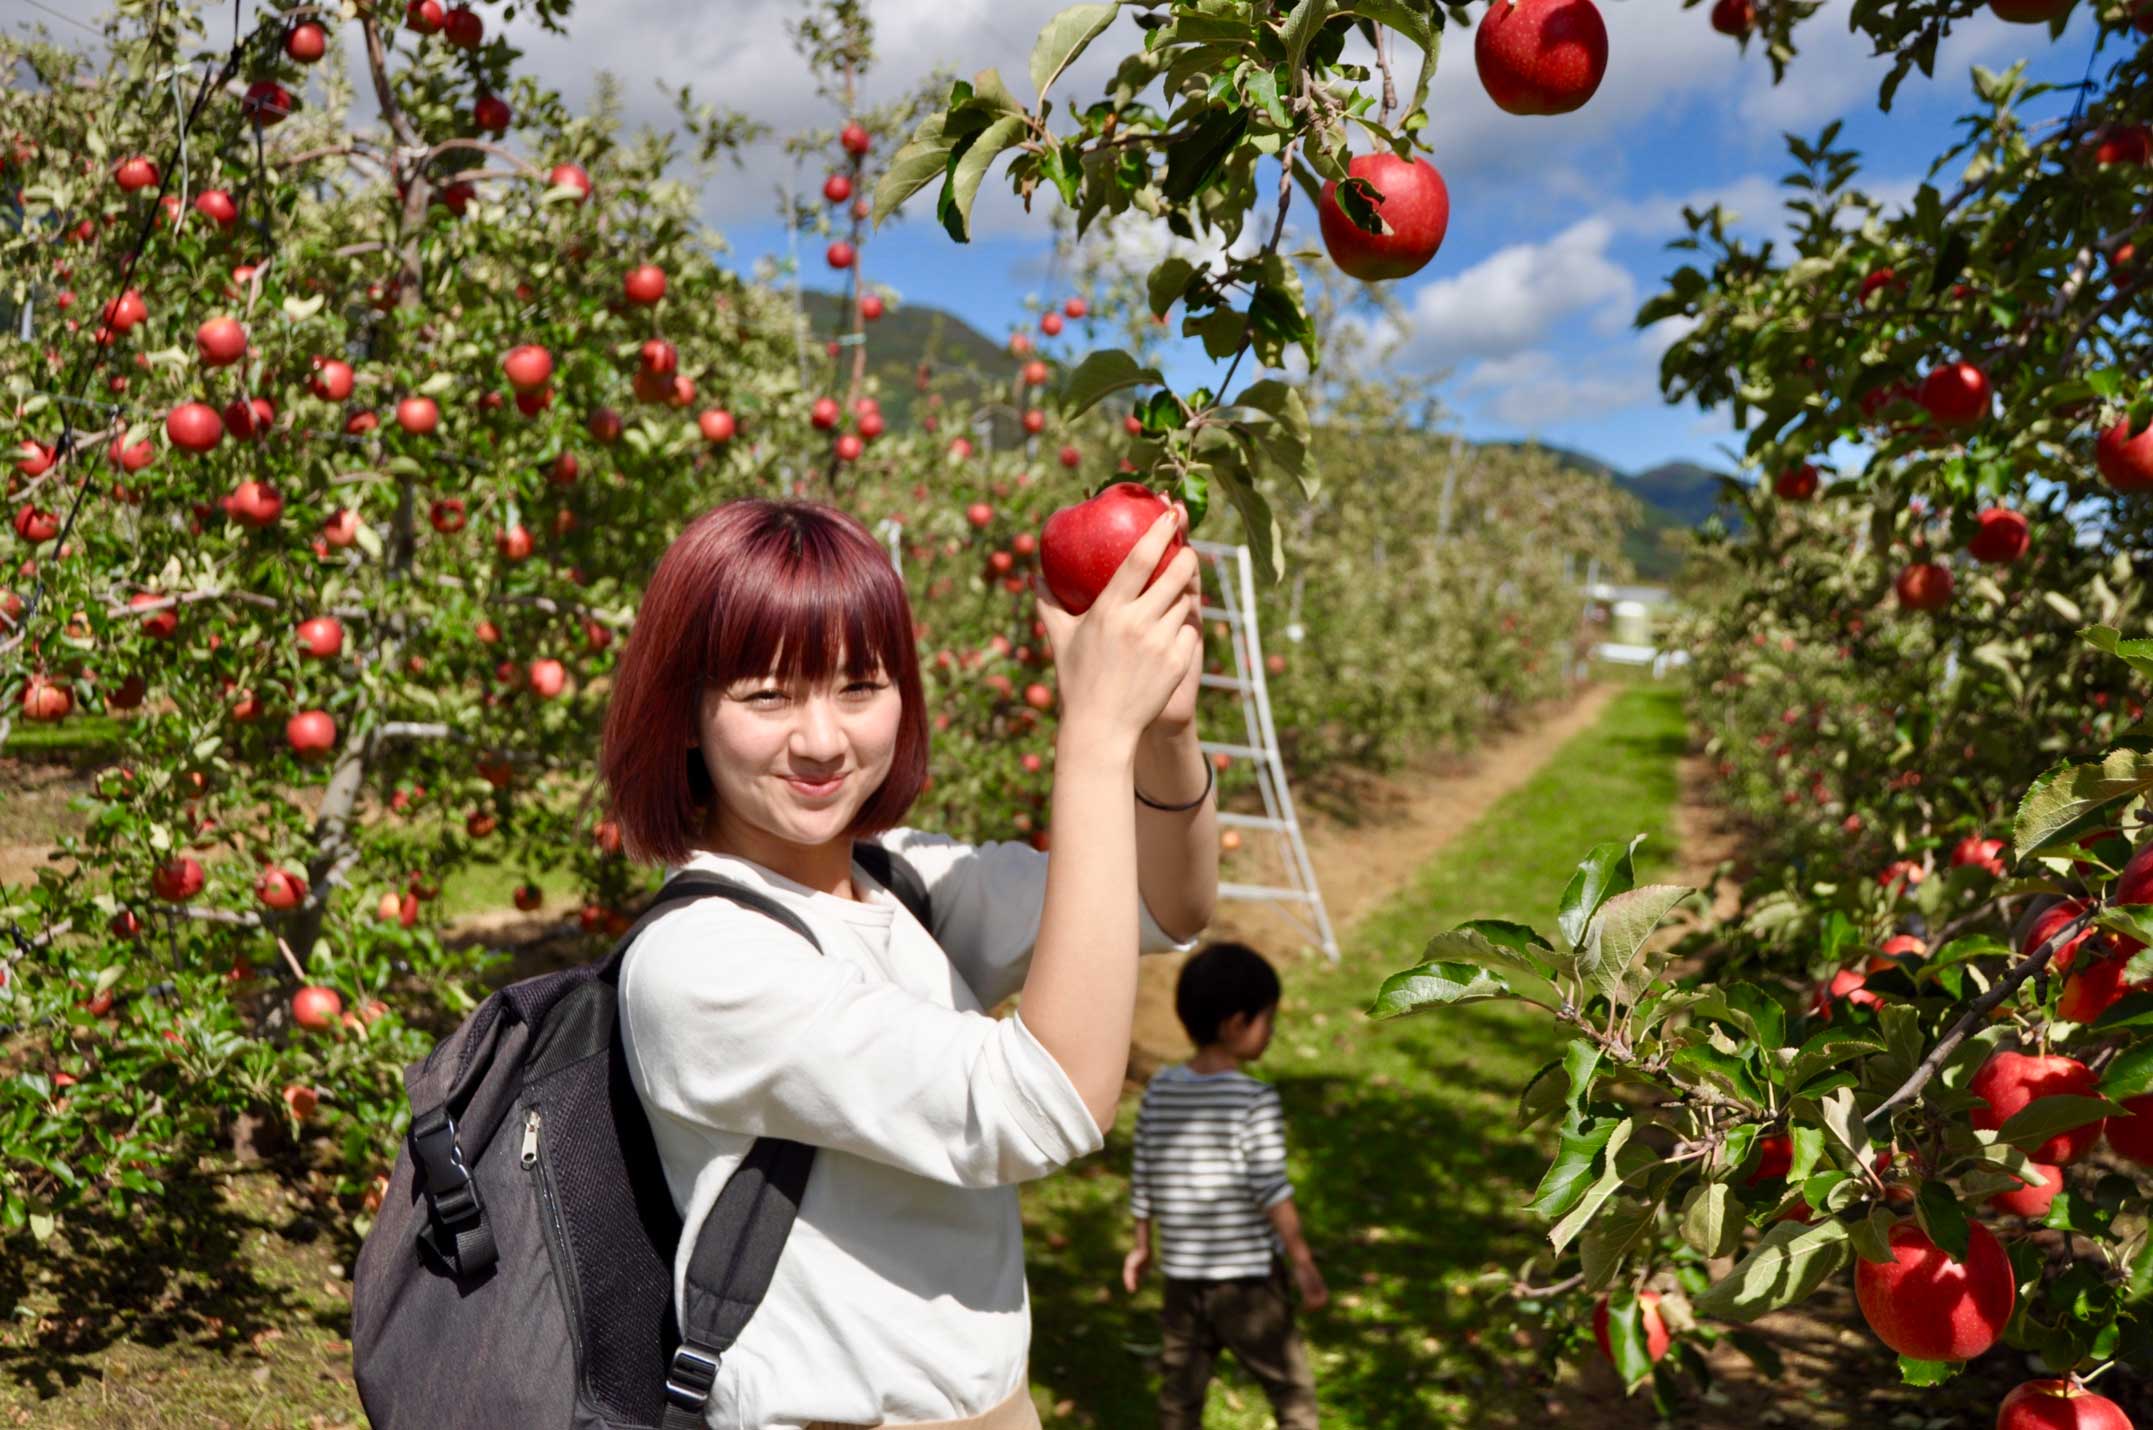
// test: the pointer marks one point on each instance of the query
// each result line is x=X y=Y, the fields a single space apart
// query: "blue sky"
x=1558 y=225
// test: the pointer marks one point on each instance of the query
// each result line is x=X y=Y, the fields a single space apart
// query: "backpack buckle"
x=449 y=1188
x=689 y=1379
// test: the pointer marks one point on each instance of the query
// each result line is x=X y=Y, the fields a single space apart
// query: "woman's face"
x=795 y=763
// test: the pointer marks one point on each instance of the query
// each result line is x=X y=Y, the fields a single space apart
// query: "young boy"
x=1210 y=1172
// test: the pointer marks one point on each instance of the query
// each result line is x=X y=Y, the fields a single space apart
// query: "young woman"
x=767 y=713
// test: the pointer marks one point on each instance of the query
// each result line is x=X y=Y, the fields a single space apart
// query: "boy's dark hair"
x=1219 y=980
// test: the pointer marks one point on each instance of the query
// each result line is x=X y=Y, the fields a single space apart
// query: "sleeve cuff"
x=1150 y=938
x=1047 y=1102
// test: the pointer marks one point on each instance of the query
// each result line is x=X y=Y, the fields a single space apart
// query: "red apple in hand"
x=1082 y=546
x=1540 y=56
x=1413 y=206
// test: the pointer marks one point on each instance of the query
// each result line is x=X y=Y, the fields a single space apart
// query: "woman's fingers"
x=1143 y=558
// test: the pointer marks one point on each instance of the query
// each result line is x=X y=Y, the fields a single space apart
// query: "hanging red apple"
x=418 y=415
x=1924 y=586
x=1413 y=206
x=195 y=427
x=177 y=880
x=1540 y=56
x=1956 y=394
x=2059 y=1405
x=717 y=425
x=1796 y=483
x=1926 y=1306
x=644 y=284
x=321 y=637
x=280 y=888
x=529 y=367
x=316 y=1008
x=1657 y=1339
x=220 y=342
x=311 y=734
x=2008 y=1082
x=2000 y=536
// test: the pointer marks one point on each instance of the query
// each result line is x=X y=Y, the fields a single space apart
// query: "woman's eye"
x=866 y=687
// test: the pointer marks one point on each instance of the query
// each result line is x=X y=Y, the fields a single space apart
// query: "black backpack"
x=520 y=1271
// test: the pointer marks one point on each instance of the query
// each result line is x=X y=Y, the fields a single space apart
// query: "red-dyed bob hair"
x=751 y=588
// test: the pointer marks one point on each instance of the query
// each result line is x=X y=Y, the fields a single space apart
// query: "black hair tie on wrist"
x=1210 y=778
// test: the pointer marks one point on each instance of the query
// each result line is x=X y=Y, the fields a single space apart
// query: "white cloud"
x=1836 y=69
x=1517 y=296
x=1537 y=390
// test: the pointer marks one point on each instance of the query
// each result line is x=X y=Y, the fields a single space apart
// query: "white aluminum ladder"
x=1300 y=898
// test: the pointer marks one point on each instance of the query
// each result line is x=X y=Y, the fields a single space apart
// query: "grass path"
x=1407 y=1166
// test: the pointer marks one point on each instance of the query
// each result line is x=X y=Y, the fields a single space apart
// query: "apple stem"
x=286 y=949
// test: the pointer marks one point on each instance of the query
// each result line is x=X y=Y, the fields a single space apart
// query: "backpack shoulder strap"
x=737 y=1249
x=894 y=872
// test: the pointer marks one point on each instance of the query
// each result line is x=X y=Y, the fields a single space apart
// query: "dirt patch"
x=1366 y=835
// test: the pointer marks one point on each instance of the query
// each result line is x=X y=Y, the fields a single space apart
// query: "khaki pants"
x=1252 y=1316
x=1015 y=1413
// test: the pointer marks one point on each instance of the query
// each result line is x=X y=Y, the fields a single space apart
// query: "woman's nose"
x=817 y=735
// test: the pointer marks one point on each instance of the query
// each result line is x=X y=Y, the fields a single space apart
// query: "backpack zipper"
x=551 y=1230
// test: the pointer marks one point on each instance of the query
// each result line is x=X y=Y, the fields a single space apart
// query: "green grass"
x=80 y=737
x=1408 y=1168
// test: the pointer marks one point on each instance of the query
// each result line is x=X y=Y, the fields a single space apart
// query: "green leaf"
x=1195 y=158
x=1433 y=984
x=1787 y=1264
x=1605 y=872
x=1578 y=1146
x=1580 y=1060
x=1712 y=1220
x=1828 y=1049
x=2066 y=798
x=1927 y=1373
x=1601 y=1250
x=1063 y=39
x=1259 y=525
x=2136 y=653
x=923 y=159
x=2044 y=1117
x=970 y=171
x=1300 y=28
x=1937 y=1209
x=990 y=97
x=2133 y=1010
x=1616 y=938
x=1261 y=87
x=1594 y=1194
x=1100 y=375
x=1871 y=1236
x=1167 y=283
x=2130 y=1075
x=1543 y=1094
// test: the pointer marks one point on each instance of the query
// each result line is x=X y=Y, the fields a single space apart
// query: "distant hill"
x=1677 y=496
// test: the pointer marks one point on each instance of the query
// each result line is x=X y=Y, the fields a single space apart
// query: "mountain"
x=1676 y=496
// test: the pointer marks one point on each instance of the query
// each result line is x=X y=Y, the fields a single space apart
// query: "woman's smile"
x=816 y=788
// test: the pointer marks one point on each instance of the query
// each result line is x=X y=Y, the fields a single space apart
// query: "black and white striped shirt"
x=1210 y=1160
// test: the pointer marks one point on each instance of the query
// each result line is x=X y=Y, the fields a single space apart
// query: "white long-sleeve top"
x=901 y=1294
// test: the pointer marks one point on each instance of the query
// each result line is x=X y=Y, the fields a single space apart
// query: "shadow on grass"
x=191 y=1278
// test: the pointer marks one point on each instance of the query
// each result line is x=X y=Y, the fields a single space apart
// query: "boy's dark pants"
x=1252 y=1316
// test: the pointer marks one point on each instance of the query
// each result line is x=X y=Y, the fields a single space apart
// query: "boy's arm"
x=1140 y=1178
x=1286 y=1220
